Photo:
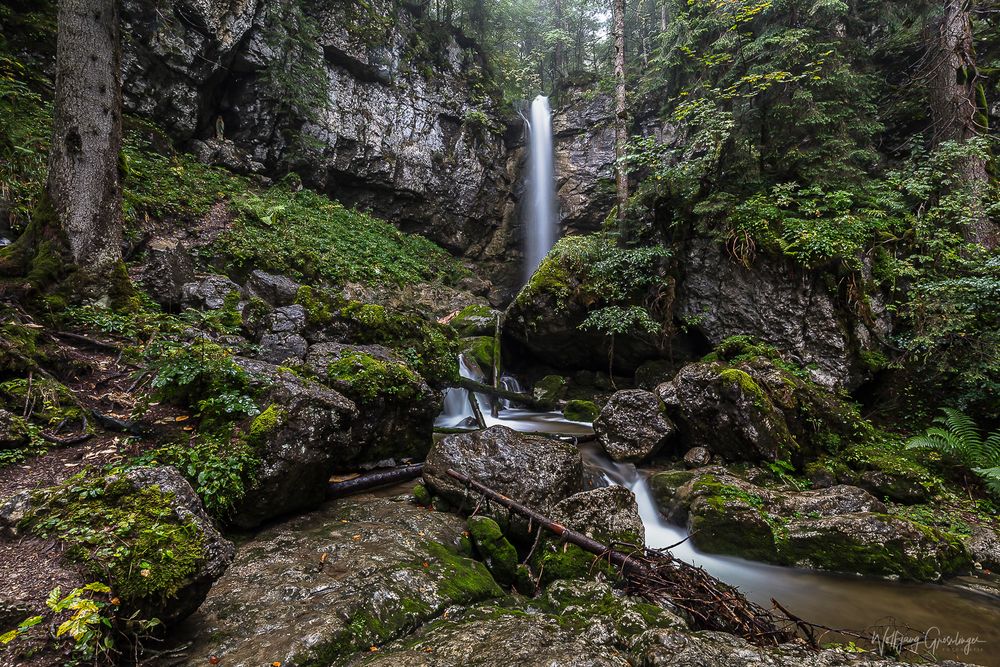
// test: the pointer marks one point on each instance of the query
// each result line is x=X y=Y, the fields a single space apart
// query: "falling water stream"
x=541 y=209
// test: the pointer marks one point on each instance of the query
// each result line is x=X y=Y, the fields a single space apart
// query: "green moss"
x=369 y=379
x=482 y=349
x=747 y=385
x=550 y=389
x=52 y=403
x=428 y=347
x=461 y=579
x=496 y=551
x=130 y=538
x=19 y=350
x=264 y=424
x=318 y=309
x=741 y=348
x=581 y=411
x=554 y=561
x=475 y=320
x=422 y=494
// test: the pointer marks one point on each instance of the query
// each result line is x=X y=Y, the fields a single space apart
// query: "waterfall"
x=457 y=409
x=541 y=211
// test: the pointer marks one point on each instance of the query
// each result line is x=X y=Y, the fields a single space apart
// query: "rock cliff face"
x=367 y=102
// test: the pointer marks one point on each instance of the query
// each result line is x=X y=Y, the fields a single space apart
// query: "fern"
x=958 y=438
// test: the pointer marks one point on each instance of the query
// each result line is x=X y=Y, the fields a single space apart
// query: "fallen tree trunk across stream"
x=500 y=392
x=374 y=480
x=664 y=580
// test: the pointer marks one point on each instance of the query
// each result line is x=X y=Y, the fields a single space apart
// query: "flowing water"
x=540 y=209
x=940 y=614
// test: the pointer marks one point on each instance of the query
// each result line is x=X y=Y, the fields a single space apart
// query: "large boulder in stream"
x=841 y=528
x=302 y=436
x=533 y=470
x=396 y=407
x=632 y=426
x=725 y=410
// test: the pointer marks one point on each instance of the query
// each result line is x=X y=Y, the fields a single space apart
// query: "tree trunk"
x=954 y=105
x=560 y=57
x=621 y=178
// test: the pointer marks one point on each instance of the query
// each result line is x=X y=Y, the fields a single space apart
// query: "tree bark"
x=560 y=57
x=621 y=178
x=954 y=106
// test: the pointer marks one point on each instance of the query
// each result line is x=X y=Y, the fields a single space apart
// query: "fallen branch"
x=99 y=344
x=476 y=410
x=500 y=392
x=374 y=480
x=69 y=440
x=664 y=580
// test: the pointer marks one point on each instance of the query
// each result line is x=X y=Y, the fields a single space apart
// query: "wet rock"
x=359 y=572
x=532 y=470
x=302 y=436
x=167 y=268
x=725 y=411
x=697 y=457
x=396 y=407
x=789 y=307
x=841 y=528
x=13 y=430
x=226 y=154
x=549 y=389
x=209 y=293
x=217 y=552
x=984 y=547
x=670 y=648
x=489 y=636
x=272 y=289
x=282 y=338
x=632 y=426
x=608 y=514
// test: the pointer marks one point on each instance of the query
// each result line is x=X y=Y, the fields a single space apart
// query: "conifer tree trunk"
x=83 y=184
x=954 y=103
x=77 y=223
x=621 y=113
x=560 y=57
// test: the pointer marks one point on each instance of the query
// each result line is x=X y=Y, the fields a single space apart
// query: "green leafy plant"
x=201 y=375
x=958 y=438
x=220 y=466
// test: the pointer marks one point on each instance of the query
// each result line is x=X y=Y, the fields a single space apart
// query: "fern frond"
x=990 y=454
x=991 y=478
x=964 y=428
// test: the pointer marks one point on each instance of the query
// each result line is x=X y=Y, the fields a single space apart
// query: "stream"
x=957 y=623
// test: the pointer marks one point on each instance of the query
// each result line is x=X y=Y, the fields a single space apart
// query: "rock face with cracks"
x=633 y=426
x=532 y=470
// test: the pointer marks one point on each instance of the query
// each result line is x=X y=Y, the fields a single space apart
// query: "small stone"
x=697 y=457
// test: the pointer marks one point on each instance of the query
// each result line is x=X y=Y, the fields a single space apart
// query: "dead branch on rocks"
x=664 y=580
x=374 y=480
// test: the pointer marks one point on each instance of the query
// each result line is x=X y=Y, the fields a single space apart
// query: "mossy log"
x=499 y=392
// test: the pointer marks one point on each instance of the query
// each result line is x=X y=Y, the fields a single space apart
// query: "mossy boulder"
x=496 y=551
x=14 y=431
x=52 y=402
x=726 y=411
x=579 y=410
x=481 y=350
x=841 y=528
x=304 y=433
x=549 y=389
x=475 y=320
x=608 y=514
x=396 y=407
x=633 y=425
x=144 y=533
x=545 y=317
x=431 y=349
